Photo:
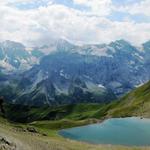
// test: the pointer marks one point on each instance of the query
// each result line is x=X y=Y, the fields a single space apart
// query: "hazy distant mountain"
x=14 y=57
x=89 y=73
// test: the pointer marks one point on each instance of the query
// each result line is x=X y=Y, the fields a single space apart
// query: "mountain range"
x=135 y=103
x=15 y=56
x=64 y=73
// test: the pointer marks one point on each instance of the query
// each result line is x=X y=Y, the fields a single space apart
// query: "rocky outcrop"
x=6 y=144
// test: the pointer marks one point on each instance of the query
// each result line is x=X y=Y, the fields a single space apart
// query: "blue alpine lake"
x=119 y=131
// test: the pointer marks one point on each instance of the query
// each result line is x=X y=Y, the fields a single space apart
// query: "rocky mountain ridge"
x=74 y=74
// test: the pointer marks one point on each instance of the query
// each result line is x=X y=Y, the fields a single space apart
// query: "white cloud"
x=17 y=1
x=97 y=7
x=142 y=7
x=16 y=25
x=14 y=1
x=58 y=21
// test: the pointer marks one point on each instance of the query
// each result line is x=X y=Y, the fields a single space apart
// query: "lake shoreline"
x=100 y=122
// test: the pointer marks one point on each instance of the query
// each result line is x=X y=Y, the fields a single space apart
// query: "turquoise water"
x=120 y=131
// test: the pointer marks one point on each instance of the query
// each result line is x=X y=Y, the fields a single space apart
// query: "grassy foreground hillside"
x=15 y=137
x=48 y=120
x=136 y=103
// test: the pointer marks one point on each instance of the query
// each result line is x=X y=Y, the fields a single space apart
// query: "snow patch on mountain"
x=4 y=64
x=101 y=86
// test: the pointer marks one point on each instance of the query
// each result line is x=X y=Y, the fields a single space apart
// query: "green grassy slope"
x=19 y=113
x=135 y=103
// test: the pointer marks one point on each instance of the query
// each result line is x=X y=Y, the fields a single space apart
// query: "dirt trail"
x=11 y=141
x=22 y=140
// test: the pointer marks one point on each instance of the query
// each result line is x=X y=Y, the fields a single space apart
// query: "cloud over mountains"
x=80 y=21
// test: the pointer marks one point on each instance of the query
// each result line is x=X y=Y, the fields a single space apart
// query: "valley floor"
x=12 y=138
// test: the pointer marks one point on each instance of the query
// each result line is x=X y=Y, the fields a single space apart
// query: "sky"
x=37 y=22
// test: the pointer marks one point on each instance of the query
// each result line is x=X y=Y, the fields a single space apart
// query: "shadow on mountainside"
x=2 y=100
